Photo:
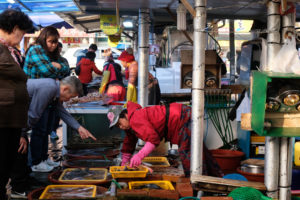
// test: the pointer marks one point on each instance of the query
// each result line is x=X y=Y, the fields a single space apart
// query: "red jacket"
x=148 y=124
x=86 y=68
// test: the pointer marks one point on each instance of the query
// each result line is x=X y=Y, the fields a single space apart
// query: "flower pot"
x=228 y=160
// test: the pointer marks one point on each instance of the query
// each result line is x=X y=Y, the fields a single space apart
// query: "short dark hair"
x=90 y=55
x=60 y=45
x=122 y=114
x=14 y=17
x=93 y=46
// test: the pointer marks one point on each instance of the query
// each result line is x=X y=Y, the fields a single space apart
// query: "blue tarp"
x=40 y=5
x=44 y=19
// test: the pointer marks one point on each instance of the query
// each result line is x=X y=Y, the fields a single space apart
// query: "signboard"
x=71 y=40
x=108 y=24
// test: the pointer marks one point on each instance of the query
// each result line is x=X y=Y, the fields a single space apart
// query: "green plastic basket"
x=247 y=193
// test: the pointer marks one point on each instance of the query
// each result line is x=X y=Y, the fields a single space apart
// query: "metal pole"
x=272 y=166
x=198 y=87
x=232 y=51
x=143 y=57
x=273 y=32
x=272 y=143
x=286 y=148
x=285 y=179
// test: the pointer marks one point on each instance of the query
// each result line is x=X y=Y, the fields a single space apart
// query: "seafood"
x=68 y=192
x=84 y=174
x=148 y=186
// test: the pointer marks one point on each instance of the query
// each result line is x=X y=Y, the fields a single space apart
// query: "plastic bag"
x=263 y=56
x=245 y=107
x=287 y=59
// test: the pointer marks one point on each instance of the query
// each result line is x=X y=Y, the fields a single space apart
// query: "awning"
x=39 y=5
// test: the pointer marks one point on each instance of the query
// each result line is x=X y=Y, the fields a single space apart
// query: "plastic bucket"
x=228 y=160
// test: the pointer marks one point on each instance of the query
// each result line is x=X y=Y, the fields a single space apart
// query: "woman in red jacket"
x=87 y=66
x=152 y=124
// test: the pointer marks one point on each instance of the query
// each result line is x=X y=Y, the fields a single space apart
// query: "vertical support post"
x=232 y=50
x=273 y=32
x=198 y=87
x=272 y=143
x=272 y=166
x=285 y=178
x=286 y=147
x=143 y=56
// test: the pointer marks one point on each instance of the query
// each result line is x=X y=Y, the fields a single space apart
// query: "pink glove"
x=125 y=158
x=136 y=160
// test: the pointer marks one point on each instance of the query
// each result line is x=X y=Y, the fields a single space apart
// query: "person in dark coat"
x=14 y=99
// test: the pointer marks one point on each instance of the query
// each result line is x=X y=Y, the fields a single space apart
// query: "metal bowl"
x=173 y=153
x=254 y=169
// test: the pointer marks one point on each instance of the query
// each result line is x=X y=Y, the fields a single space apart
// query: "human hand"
x=56 y=65
x=125 y=158
x=23 y=146
x=84 y=133
x=136 y=160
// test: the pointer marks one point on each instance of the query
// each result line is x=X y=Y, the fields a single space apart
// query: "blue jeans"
x=39 y=136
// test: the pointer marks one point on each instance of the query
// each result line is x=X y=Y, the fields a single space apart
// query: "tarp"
x=39 y=5
x=44 y=19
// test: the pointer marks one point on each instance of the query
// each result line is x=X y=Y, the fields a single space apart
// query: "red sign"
x=69 y=40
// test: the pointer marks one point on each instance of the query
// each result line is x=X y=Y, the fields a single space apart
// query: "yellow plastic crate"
x=82 y=181
x=153 y=161
x=117 y=172
x=166 y=185
x=66 y=189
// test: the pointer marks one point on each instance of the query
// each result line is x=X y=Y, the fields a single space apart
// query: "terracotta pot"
x=228 y=160
x=260 y=177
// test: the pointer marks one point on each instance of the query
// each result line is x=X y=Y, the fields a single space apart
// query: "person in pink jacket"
x=152 y=124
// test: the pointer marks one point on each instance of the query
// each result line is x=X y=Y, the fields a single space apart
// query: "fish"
x=149 y=186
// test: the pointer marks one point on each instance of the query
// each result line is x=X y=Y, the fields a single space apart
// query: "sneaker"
x=53 y=135
x=51 y=163
x=18 y=195
x=42 y=167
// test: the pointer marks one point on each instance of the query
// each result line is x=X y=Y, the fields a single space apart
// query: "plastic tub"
x=156 y=162
x=65 y=195
x=35 y=194
x=54 y=176
x=88 y=163
x=118 y=172
x=92 y=153
x=166 y=185
x=101 y=172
